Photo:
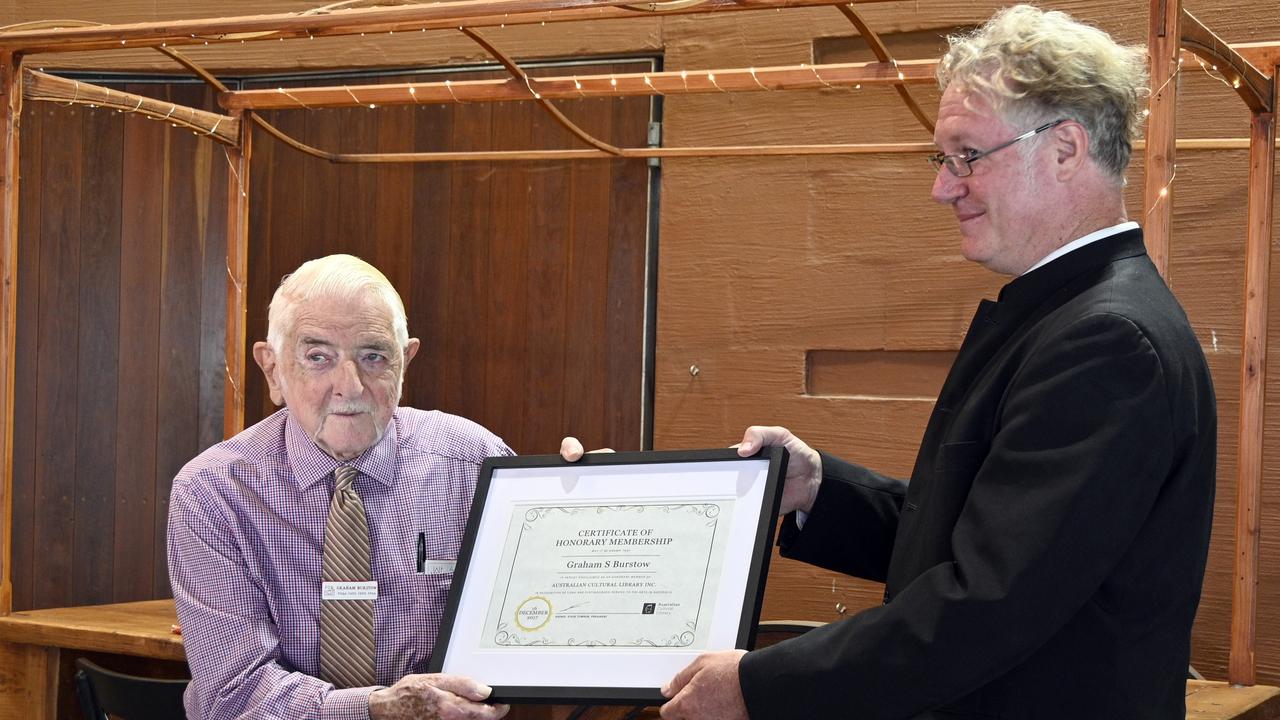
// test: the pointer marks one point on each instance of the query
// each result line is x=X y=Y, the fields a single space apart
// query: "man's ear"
x=265 y=356
x=410 y=350
x=1071 y=149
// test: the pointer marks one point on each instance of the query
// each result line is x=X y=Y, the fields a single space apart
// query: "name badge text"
x=349 y=590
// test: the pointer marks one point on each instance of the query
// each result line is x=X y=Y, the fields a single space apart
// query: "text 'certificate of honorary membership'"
x=642 y=575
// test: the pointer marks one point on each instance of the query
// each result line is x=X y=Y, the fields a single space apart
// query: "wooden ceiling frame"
x=323 y=22
x=1172 y=29
x=15 y=43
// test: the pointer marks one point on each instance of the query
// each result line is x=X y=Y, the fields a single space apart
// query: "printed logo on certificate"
x=618 y=575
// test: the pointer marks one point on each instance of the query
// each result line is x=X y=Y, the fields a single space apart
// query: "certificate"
x=638 y=575
x=599 y=580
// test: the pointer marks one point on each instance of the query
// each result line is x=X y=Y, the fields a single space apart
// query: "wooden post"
x=237 y=275
x=1164 y=44
x=10 y=115
x=1241 y=668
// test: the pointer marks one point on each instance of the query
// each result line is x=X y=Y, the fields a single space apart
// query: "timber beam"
x=803 y=77
x=51 y=88
x=1252 y=85
x=390 y=19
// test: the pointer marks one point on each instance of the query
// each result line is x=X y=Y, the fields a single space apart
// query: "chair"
x=103 y=692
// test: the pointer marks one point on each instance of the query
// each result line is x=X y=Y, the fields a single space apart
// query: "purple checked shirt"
x=246 y=539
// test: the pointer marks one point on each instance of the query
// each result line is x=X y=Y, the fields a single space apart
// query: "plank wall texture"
x=770 y=267
x=119 y=343
x=512 y=274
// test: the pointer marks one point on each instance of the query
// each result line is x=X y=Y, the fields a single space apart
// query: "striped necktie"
x=346 y=626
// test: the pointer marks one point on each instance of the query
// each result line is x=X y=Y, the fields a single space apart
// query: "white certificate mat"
x=599 y=580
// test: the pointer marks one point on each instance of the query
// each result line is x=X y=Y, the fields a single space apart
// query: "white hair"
x=335 y=277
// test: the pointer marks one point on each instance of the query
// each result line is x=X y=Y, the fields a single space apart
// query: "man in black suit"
x=1046 y=557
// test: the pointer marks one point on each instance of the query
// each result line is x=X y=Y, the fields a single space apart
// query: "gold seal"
x=533 y=614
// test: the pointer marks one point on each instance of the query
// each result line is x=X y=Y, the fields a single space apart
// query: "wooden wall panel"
x=26 y=363
x=587 y=298
x=121 y=283
x=190 y=190
x=466 y=312
x=145 y=193
x=98 y=358
x=505 y=339
x=145 y=359
x=546 y=332
x=432 y=199
x=629 y=223
x=524 y=281
x=55 y=409
x=211 y=227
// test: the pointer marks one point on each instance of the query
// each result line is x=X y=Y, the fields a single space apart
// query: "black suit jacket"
x=1046 y=558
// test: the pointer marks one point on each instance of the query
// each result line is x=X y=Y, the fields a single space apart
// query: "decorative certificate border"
x=597 y=581
x=602 y=585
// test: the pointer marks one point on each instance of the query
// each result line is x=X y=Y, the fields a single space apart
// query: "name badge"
x=349 y=590
x=438 y=567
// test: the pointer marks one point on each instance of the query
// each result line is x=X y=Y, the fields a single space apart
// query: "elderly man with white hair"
x=1044 y=561
x=311 y=554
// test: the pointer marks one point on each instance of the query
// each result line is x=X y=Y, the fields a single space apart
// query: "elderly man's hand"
x=804 y=465
x=434 y=697
x=707 y=688
x=571 y=449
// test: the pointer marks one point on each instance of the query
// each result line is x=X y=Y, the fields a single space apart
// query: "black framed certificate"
x=597 y=581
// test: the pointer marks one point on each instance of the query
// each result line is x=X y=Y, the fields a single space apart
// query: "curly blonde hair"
x=1035 y=66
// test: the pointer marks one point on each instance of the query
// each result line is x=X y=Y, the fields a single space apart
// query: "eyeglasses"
x=958 y=163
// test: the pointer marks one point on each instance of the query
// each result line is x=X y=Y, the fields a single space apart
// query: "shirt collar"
x=310 y=464
x=1081 y=242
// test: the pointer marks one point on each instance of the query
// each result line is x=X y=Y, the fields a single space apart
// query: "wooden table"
x=34 y=679
x=37 y=677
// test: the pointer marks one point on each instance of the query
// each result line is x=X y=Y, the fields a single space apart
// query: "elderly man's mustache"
x=350 y=409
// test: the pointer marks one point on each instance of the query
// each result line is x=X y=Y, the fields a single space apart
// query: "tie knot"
x=343 y=476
